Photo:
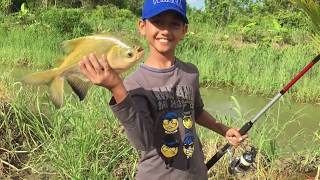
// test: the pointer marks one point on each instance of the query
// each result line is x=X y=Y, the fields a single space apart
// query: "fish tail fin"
x=51 y=78
x=44 y=77
x=57 y=90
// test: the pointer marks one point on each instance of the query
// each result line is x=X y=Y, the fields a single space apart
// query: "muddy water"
x=306 y=116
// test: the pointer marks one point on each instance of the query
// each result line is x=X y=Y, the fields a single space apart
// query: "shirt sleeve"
x=134 y=114
x=198 y=103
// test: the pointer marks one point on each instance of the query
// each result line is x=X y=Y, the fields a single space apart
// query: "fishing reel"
x=243 y=163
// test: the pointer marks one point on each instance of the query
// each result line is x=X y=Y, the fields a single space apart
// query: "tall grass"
x=80 y=140
x=275 y=158
x=83 y=140
x=251 y=68
x=259 y=70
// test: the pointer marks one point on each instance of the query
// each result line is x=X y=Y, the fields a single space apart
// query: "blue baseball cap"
x=154 y=7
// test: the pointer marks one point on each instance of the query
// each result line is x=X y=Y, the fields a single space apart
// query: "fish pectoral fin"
x=79 y=86
x=56 y=91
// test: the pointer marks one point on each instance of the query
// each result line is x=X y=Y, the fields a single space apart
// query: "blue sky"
x=199 y=4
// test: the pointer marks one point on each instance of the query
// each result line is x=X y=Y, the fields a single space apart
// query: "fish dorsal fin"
x=79 y=86
x=70 y=45
x=111 y=38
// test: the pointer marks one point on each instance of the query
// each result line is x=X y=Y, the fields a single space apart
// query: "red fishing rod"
x=246 y=127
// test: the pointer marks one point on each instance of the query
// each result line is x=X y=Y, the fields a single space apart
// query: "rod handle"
x=218 y=156
x=245 y=128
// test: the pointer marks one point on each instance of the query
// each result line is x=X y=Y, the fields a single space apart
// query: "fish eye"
x=130 y=54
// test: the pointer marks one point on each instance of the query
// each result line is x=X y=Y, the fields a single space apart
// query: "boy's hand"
x=100 y=73
x=234 y=137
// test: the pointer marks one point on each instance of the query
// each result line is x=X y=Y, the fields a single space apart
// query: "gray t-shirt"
x=159 y=117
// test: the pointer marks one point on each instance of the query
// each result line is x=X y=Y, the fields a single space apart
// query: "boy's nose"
x=164 y=26
x=164 y=31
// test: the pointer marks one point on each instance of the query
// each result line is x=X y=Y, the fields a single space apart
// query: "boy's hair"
x=152 y=8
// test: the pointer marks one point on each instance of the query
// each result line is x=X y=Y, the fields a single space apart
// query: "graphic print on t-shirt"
x=177 y=138
x=188 y=146
x=170 y=147
x=170 y=122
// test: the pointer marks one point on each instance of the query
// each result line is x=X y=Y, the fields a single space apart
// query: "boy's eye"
x=156 y=22
x=176 y=24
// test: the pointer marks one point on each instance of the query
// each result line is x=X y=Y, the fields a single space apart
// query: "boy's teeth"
x=163 y=40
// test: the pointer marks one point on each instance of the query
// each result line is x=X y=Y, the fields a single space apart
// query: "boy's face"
x=164 y=31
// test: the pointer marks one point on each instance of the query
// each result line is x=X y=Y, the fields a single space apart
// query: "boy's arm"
x=231 y=134
x=208 y=121
x=134 y=114
x=119 y=92
x=132 y=110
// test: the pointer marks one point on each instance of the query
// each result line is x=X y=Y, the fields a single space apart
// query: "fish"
x=120 y=56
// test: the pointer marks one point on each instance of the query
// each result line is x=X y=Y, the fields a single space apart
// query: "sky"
x=199 y=4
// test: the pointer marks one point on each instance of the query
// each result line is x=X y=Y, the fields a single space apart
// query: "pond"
x=305 y=116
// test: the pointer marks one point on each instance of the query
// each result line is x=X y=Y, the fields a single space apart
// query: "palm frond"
x=316 y=42
x=312 y=8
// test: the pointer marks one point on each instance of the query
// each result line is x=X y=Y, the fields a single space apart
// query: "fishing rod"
x=246 y=127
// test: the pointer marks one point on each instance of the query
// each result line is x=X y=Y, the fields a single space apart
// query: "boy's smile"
x=163 y=32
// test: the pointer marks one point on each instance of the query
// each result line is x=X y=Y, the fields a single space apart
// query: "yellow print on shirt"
x=170 y=122
x=170 y=147
x=187 y=122
x=188 y=146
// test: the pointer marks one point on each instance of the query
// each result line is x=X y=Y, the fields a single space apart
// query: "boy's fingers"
x=103 y=62
x=95 y=64
x=88 y=66
x=236 y=133
x=244 y=136
x=82 y=67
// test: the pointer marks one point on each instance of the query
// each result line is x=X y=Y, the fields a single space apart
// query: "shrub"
x=5 y=5
x=66 y=21
x=112 y=12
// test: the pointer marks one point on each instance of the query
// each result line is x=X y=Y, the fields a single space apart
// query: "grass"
x=83 y=140
x=255 y=69
x=275 y=159
x=65 y=143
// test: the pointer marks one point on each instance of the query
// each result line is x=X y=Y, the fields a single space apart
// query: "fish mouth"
x=140 y=51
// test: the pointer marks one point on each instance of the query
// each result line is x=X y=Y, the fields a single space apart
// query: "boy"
x=160 y=102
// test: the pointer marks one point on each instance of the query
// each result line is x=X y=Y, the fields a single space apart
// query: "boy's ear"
x=185 y=29
x=142 y=27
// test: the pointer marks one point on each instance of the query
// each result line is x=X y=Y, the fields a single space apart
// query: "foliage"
x=66 y=21
x=103 y=12
x=312 y=9
x=5 y=5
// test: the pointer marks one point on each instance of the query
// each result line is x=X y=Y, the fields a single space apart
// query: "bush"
x=5 y=5
x=66 y=21
x=112 y=12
